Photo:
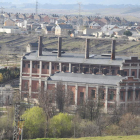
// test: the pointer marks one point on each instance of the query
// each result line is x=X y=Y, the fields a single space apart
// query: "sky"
x=104 y=2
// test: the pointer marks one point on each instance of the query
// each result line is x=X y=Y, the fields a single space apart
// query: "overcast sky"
x=105 y=2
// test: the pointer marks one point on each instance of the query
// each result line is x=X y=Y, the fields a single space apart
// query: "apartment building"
x=83 y=74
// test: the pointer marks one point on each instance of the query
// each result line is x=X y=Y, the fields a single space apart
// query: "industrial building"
x=83 y=74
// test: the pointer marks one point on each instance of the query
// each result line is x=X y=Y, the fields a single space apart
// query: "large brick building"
x=83 y=74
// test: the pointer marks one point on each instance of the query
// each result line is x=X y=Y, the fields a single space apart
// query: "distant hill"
x=67 y=6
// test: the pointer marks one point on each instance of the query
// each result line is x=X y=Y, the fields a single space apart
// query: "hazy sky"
x=106 y=2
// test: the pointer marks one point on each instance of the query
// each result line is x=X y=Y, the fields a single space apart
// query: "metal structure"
x=36 y=7
x=2 y=10
x=16 y=122
x=79 y=13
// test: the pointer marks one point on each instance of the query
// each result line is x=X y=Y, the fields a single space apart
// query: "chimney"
x=113 y=49
x=87 y=49
x=59 y=46
x=40 y=46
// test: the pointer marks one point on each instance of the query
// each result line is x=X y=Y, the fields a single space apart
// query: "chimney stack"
x=113 y=49
x=40 y=46
x=87 y=49
x=59 y=46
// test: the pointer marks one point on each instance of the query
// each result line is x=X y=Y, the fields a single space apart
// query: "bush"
x=128 y=33
x=61 y=126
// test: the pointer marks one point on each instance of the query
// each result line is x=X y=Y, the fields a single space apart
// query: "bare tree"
x=63 y=98
x=46 y=102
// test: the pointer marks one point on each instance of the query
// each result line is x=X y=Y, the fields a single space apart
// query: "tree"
x=128 y=33
x=34 y=122
x=61 y=125
x=63 y=98
x=46 y=103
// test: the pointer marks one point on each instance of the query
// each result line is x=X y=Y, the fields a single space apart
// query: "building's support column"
x=66 y=88
x=106 y=98
x=76 y=94
x=31 y=68
x=117 y=95
x=137 y=73
x=45 y=87
x=60 y=67
x=69 y=67
x=40 y=69
x=129 y=72
x=50 y=68
x=97 y=93
x=86 y=98
x=99 y=68
x=126 y=97
x=134 y=93
x=40 y=85
x=30 y=87
x=20 y=85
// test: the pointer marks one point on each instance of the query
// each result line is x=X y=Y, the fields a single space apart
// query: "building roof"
x=75 y=58
x=86 y=78
x=65 y=26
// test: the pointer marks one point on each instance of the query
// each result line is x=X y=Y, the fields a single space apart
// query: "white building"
x=10 y=30
x=6 y=93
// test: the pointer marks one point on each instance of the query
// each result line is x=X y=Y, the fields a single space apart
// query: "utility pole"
x=2 y=10
x=2 y=13
x=36 y=7
x=16 y=121
x=79 y=13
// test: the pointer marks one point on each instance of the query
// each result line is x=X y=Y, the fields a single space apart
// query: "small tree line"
x=7 y=74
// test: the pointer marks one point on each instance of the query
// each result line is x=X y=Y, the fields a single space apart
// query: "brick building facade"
x=83 y=74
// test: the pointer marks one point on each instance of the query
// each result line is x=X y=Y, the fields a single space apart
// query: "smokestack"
x=113 y=49
x=59 y=46
x=87 y=49
x=40 y=46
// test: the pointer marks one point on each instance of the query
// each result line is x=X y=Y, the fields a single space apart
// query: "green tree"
x=61 y=125
x=128 y=33
x=34 y=122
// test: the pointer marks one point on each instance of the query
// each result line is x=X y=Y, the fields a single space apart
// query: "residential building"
x=10 y=30
x=9 y=22
x=62 y=29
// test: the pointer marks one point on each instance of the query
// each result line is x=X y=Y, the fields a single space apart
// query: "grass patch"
x=97 y=138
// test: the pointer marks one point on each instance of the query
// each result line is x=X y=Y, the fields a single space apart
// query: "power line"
x=36 y=7
x=2 y=10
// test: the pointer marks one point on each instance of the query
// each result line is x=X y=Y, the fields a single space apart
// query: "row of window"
x=129 y=95
x=44 y=66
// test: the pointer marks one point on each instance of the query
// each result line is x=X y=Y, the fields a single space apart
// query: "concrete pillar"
x=45 y=87
x=66 y=88
x=137 y=73
x=97 y=93
x=118 y=95
x=30 y=87
x=60 y=66
x=134 y=93
x=129 y=72
x=126 y=96
x=76 y=94
x=50 y=68
x=106 y=98
x=39 y=85
x=40 y=69
x=31 y=68
x=69 y=67
x=86 y=93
